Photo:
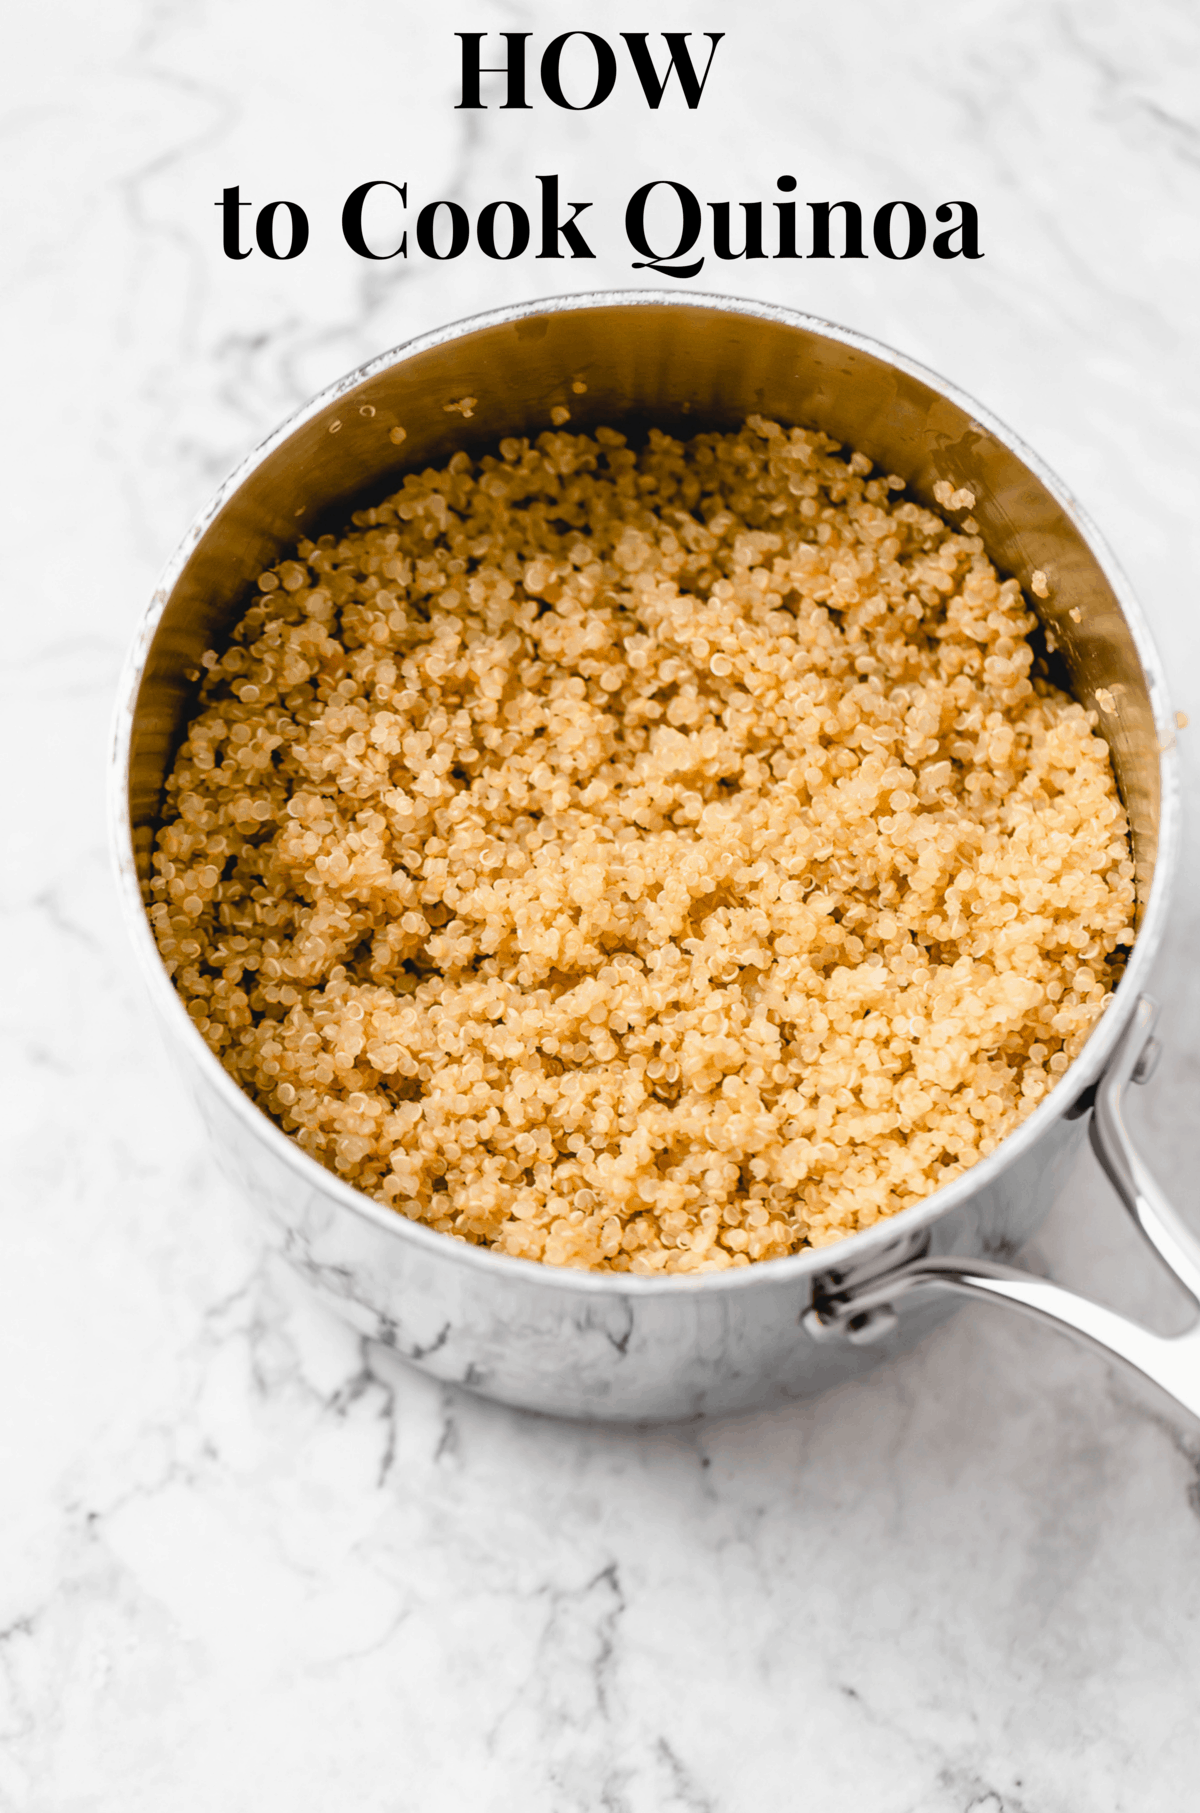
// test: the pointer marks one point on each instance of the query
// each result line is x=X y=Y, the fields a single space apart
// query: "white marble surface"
x=245 y=1564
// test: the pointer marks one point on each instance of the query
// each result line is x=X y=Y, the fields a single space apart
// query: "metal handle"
x=1171 y=1362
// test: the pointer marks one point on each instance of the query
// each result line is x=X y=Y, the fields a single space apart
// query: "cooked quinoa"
x=646 y=859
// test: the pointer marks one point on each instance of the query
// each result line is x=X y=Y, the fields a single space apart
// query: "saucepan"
x=612 y=1345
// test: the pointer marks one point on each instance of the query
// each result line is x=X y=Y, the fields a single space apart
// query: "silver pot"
x=641 y=1348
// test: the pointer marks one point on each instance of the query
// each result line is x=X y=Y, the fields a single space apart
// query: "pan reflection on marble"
x=613 y=1345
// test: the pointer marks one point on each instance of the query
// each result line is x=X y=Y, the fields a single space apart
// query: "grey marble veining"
x=247 y=1561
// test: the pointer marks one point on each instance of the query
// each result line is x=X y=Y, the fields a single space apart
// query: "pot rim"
x=854 y=1249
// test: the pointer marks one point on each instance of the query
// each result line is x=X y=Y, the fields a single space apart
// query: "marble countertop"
x=247 y=1562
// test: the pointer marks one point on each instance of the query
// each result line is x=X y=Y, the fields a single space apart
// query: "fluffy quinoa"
x=646 y=859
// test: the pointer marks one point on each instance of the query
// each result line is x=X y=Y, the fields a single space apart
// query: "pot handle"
x=862 y=1311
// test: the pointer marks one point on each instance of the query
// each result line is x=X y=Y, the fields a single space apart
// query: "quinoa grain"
x=647 y=860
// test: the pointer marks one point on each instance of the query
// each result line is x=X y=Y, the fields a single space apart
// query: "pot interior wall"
x=682 y=368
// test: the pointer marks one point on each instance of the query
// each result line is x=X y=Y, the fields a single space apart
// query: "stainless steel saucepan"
x=610 y=1345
